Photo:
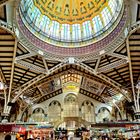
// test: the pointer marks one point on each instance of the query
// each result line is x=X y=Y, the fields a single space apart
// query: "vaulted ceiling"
x=28 y=75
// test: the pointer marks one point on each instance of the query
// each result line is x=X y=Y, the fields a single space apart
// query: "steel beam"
x=118 y=55
x=97 y=64
x=12 y=73
x=25 y=56
x=116 y=85
x=131 y=74
x=45 y=64
x=112 y=65
x=35 y=80
x=31 y=66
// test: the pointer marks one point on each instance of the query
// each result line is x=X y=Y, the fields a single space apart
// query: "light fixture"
x=71 y=60
x=138 y=85
x=113 y=100
x=17 y=32
x=126 y=32
x=24 y=97
x=1 y=86
x=40 y=52
x=102 y=52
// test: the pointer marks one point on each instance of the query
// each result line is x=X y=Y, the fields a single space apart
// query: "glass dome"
x=69 y=23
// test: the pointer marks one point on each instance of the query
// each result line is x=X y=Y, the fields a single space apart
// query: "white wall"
x=60 y=98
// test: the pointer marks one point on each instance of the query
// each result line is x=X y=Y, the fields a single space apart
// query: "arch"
x=88 y=111
x=55 y=102
x=70 y=96
x=87 y=102
x=103 y=109
x=54 y=111
x=71 y=107
x=38 y=110
x=103 y=115
x=38 y=115
x=7 y=137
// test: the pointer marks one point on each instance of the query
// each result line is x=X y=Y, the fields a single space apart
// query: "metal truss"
x=112 y=65
x=116 y=85
x=35 y=80
x=118 y=55
x=25 y=56
x=8 y=27
x=31 y=66
x=33 y=48
x=133 y=29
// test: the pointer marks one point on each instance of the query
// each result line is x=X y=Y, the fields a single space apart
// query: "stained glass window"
x=44 y=27
x=76 y=32
x=106 y=16
x=97 y=23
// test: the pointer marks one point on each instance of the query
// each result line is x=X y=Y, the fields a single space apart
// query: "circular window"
x=71 y=23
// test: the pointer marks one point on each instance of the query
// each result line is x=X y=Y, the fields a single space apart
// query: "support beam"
x=2 y=98
x=101 y=76
x=45 y=64
x=50 y=79
x=40 y=91
x=102 y=91
x=2 y=79
x=31 y=66
x=12 y=73
x=26 y=43
x=118 y=55
x=118 y=109
x=131 y=75
x=112 y=65
x=25 y=86
x=84 y=66
x=97 y=64
x=25 y=56
x=116 y=85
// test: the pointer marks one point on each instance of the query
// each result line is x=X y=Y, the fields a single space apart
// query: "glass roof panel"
x=58 y=21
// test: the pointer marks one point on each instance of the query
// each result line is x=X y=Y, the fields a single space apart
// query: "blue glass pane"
x=41 y=25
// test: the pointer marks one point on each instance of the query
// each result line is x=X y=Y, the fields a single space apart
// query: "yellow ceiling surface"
x=70 y=23
x=71 y=11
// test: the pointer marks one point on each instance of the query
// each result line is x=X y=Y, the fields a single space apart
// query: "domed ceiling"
x=70 y=24
x=73 y=12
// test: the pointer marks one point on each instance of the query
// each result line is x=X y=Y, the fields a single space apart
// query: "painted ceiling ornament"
x=76 y=27
x=72 y=11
